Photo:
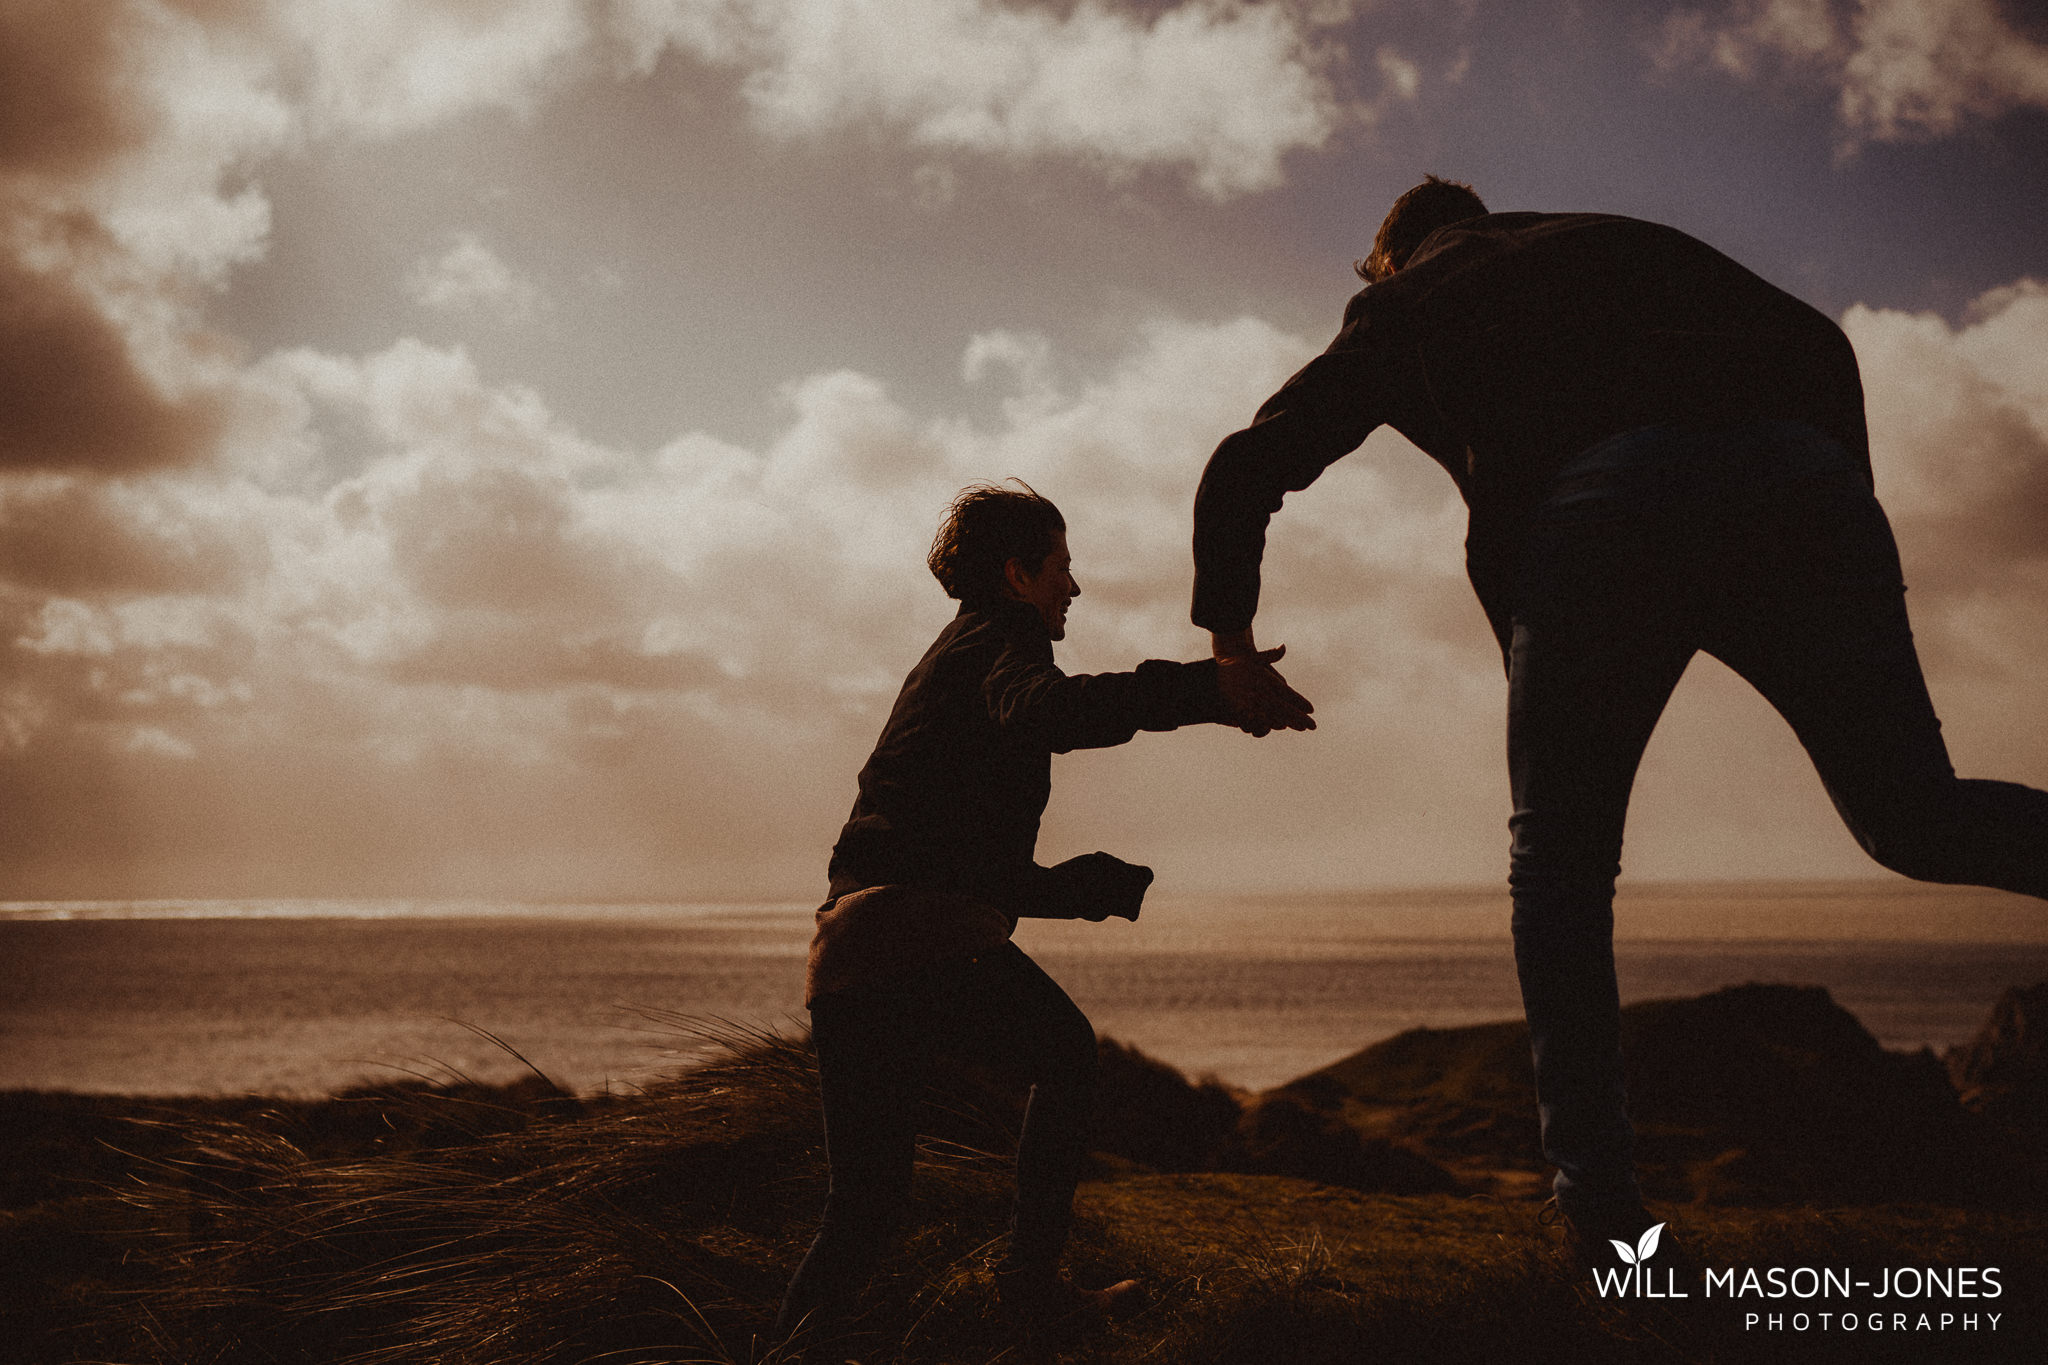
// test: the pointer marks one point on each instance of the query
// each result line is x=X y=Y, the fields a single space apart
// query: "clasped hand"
x=1259 y=699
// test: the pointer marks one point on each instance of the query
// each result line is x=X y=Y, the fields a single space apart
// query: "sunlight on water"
x=308 y=996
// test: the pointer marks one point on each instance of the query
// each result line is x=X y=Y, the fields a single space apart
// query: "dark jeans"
x=1762 y=545
x=875 y=1049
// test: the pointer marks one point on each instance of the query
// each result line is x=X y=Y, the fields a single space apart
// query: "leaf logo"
x=1642 y=1251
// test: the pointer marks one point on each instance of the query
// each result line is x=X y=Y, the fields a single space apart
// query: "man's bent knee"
x=1926 y=839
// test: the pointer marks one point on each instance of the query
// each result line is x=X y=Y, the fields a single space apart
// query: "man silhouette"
x=1661 y=453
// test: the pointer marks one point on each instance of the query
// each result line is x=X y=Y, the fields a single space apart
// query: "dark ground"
x=1384 y=1208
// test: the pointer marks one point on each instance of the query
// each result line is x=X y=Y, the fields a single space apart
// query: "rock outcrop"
x=2002 y=1073
x=1151 y=1114
x=1752 y=1094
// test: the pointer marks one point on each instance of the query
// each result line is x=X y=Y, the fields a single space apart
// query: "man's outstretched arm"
x=1320 y=415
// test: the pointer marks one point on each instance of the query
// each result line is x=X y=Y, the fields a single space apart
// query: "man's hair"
x=987 y=526
x=1432 y=204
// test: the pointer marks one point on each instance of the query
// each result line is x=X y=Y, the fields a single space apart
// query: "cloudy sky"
x=464 y=448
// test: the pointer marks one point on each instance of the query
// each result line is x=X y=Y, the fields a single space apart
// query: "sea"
x=305 y=998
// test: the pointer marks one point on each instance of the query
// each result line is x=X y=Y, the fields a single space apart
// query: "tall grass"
x=455 y=1224
x=654 y=1227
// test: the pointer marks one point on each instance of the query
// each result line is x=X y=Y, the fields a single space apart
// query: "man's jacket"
x=952 y=795
x=1507 y=345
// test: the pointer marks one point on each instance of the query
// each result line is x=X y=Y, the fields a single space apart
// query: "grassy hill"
x=515 y=1225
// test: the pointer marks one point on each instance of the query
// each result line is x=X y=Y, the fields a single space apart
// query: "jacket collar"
x=1010 y=614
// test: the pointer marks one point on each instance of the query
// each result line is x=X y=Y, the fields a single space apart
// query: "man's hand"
x=1259 y=698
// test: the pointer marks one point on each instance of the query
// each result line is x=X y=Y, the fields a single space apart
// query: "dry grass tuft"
x=465 y=1225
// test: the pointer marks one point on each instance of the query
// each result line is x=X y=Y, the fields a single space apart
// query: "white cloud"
x=1959 y=440
x=469 y=275
x=411 y=619
x=111 y=239
x=493 y=595
x=1221 y=88
x=383 y=67
x=1905 y=68
x=1928 y=66
x=115 y=227
x=668 y=663
x=1403 y=78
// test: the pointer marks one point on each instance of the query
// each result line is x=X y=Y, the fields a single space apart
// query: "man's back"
x=1507 y=346
x=1539 y=335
